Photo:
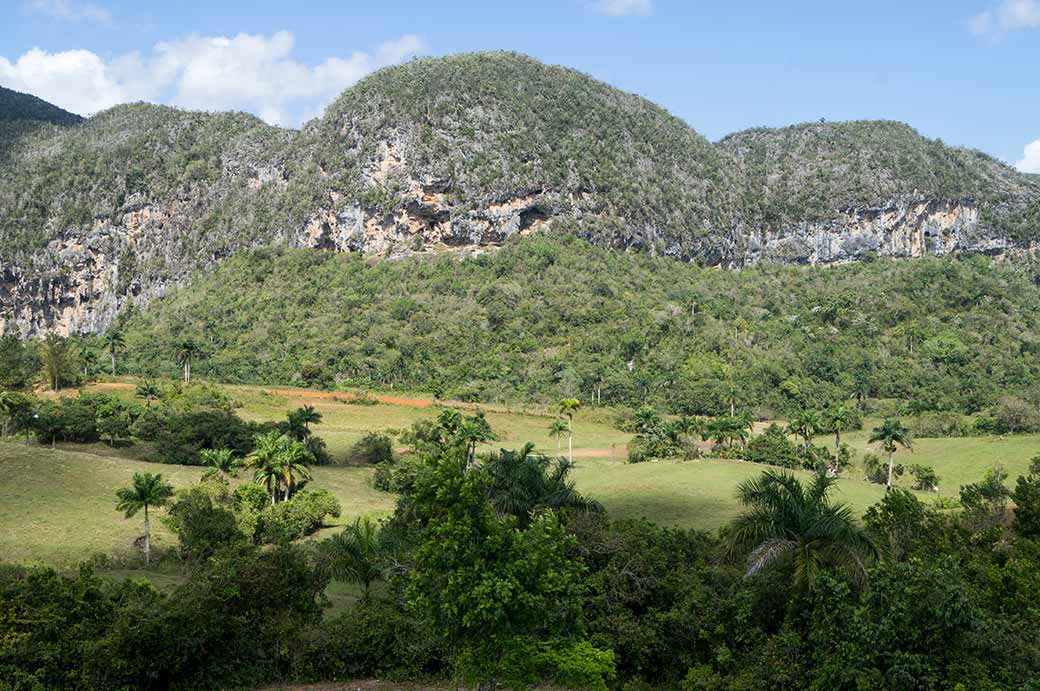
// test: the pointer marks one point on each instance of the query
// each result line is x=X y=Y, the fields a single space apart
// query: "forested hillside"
x=460 y=154
x=550 y=317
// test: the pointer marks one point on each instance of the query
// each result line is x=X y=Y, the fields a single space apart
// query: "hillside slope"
x=546 y=318
x=461 y=153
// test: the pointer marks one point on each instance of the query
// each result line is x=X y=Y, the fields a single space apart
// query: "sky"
x=964 y=71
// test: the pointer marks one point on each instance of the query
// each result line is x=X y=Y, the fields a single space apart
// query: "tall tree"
x=88 y=358
x=840 y=419
x=892 y=434
x=797 y=528
x=54 y=354
x=308 y=415
x=147 y=491
x=568 y=407
x=9 y=401
x=805 y=424
x=278 y=461
x=187 y=352
x=114 y=344
x=557 y=428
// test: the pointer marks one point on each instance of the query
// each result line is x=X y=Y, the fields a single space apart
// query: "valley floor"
x=58 y=505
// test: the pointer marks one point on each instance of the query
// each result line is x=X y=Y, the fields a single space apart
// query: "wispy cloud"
x=624 y=8
x=1010 y=15
x=1030 y=162
x=71 y=10
x=255 y=73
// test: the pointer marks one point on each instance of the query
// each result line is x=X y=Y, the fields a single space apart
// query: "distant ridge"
x=14 y=105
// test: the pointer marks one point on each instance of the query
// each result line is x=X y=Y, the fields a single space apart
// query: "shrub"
x=941 y=424
x=397 y=476
x=202 y=526
x=1013 y=415
x=773 y=447
x=294 y=518
x=371 y=449
x=925 y=478
x=183 y=435
x=876 y=469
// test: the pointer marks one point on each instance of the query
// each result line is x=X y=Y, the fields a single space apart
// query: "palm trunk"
x=889 y=483
x=147 y=537
x=113 y=364
x=837 y=442
x=557 y=446
x=570 y=440
x=187 y=371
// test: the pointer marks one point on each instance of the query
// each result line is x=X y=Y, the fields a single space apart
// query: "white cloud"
x=69 y=9
x=624 y=8
x=1008 y=16
x=255 y=73
x=1030 y=162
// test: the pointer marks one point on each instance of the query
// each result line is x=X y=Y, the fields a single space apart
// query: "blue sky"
x=966 y=71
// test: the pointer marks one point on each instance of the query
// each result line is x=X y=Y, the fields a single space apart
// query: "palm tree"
x=796 y=527
x=220 y=461
x=88 y=358
x=278 y=460
x=354 y=555
x=187 y=351
x=293 y=456
x=558 y=428
x=892 y=434
x=470 y=432
x=149 y=391
x=114 y=343
x=568 y=407
x=805 y=424
x=54 y=352
x=263 y=461
x=308 y=416
x=840 y=420
x=524 y=482
x=146 y=491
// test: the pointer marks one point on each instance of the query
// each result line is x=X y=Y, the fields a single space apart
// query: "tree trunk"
x=187 y=371
x=837 y=441
x=889 y=483
x=113 y=354
x=570 y=440
x=557 y=446
x=147 y=537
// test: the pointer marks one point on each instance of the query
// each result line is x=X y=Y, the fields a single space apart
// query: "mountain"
x=460 y=154
x=16 y=106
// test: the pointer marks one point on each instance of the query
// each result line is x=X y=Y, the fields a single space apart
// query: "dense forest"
x=550 y=317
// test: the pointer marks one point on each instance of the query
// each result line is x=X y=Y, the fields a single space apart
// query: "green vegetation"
x=545 y=319
x=15 y=106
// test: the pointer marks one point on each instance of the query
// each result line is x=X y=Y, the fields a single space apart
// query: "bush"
x=773 y=447
x=375 y=639
x=876 y=469
x=182 y=435
x=1013 y=415
x=397 y=476
x=925 y=478
x=294 y=518
x=202 y=526
x=942 y=424
x=371 y=449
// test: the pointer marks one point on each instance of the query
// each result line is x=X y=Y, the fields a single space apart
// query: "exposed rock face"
x=460 y=154
x=903 y=228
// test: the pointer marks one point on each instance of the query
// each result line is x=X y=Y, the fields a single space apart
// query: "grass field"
x=57 y=506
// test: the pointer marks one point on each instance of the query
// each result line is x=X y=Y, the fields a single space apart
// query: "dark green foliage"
x=1026 y=496
x=18 y=364
x=524 y=484
x=371 y=449
x=774 y=447
x=181 y=436
x=204 y=521
x=294 y=518
x=376 y=639
x=15 y=105
x=925 y=478
x=85 y=418
x=578 y=319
